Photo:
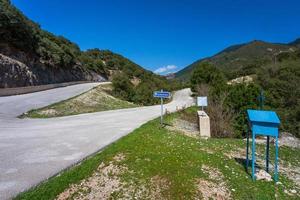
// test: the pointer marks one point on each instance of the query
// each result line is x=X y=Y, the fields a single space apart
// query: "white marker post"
x=162 y=95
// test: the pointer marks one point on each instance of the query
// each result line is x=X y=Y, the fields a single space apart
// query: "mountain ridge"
x=235 y=57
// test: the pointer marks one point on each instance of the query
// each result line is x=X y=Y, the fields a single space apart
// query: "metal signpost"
x=162 y=95
x=261 y=99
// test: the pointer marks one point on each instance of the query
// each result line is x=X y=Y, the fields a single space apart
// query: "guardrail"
x=37 y=88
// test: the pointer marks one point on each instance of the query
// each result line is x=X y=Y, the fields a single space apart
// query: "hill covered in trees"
x=275 y=69
x=32 y=56
x=238 y=60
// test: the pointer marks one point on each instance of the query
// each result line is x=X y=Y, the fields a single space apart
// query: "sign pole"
x=161 y=110
x=162 y=95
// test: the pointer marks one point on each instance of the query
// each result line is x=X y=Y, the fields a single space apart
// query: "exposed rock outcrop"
x=14 y=73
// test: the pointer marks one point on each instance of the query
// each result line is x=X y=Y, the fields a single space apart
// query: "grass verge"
x=181 y=167
x=95 y=100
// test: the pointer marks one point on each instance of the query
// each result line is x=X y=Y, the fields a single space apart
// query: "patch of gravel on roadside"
x=290 y=171
x=105 y=183
x=185 y=127
x=287 y=139
x=214 y=188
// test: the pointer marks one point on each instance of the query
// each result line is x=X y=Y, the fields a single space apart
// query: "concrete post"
x=204 y=124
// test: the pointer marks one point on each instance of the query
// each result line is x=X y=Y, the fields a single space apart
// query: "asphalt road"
x=32 y=150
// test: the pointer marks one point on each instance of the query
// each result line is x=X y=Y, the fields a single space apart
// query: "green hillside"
x=236 y=60
x=278 y=75
x=32 y=56
x=296 y=43
x=41 y=57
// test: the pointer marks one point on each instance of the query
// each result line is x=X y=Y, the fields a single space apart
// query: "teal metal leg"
x=247 y=151
x=276 y=161
x=253 y=156
x=267 y=153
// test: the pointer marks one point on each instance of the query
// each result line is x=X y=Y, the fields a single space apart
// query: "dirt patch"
x=185 y=127
x=242 y=79
x=119 y=157
x=159 y=186
x=49 y=112
x=210 y=190
x=106 y=183
x=287 y=139
x=135 y=81
x=213 y=173
x=290 y=171
x=237 y=153
x=92 y=97
x=209 y=151
x=215 y=188
x=100 y=185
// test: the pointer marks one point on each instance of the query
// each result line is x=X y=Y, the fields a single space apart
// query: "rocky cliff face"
x=32 y=56
x=18 y=69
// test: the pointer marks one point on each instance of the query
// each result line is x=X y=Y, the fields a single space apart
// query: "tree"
x=206 y=73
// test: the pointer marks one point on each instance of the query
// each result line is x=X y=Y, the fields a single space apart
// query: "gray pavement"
x=32 y=150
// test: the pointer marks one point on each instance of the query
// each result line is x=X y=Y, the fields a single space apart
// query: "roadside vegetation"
x=95 y=100
x=280 y=83
x=227 y=103
x=155 y=162
x=141 y=92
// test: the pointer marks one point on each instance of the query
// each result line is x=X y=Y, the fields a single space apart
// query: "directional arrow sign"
x=161 y=94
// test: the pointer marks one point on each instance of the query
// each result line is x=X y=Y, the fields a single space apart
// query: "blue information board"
x=265 y=123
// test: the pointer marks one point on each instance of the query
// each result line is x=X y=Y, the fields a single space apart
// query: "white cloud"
x=165 y=69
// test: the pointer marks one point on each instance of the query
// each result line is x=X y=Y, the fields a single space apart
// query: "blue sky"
x=165 y=34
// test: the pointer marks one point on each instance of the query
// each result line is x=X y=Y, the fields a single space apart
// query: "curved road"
x=32 y=150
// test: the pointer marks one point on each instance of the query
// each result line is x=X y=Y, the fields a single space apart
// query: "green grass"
x=152 y=150
x=95 y=100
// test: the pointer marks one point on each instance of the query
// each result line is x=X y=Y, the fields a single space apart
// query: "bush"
x=227 y=103
x=122 y=87
x=220 y=115
x=240 y=98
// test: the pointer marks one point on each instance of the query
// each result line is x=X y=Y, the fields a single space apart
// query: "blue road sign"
x=161 y=94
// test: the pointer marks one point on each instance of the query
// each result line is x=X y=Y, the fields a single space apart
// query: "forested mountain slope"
x=32 y=56
x=273 y=68
x=241 y=59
